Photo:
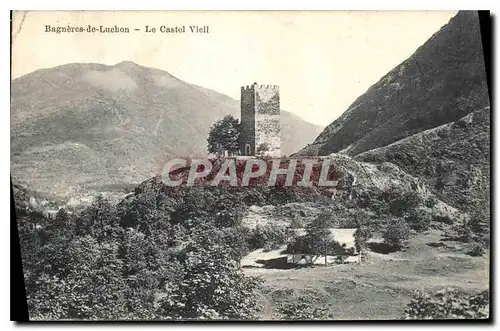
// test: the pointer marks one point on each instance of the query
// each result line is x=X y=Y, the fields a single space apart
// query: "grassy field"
x=381 y=287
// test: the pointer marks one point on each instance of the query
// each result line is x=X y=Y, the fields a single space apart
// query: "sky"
x=322 y=61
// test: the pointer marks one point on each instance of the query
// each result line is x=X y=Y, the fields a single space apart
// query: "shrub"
x=269 y=237
x=396 y=233
x=418 y=220
x=401 y=202
x=361 y=236
x=476 y=249
x=446 y=219
x=304 y=308
x=448 y=304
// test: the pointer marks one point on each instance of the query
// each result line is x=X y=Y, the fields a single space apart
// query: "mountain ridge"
x=88 y=125
x=442 y=81
x=428 y=116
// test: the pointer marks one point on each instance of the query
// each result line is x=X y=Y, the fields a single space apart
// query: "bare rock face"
x=444 y=80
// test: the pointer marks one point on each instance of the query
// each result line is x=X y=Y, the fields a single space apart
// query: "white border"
x=190 y=5
x=254 y=5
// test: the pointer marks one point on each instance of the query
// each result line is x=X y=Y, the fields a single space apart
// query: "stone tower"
x=260 y=120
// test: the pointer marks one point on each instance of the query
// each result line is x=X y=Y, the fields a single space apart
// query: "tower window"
x=247 y=149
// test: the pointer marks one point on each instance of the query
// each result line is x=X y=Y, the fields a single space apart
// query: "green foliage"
x=209 y=285
x=304 y=308
x=396 y=234
x=361 y=236
x=476 y=227
x=448 y=304
x=402 y=202
x=318 y=239
x=224 y=136
x=418 y=219
x=99 y=220
x=61 y=291
x=476 y=249
x=269 y=236
x=144 y=259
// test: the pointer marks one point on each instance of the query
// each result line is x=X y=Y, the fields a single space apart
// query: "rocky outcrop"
x=452 y=159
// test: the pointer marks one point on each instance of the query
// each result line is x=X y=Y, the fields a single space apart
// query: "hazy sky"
x=322 y=61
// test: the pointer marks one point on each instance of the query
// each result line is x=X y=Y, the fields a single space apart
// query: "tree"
x=361 y=236
x=401 y=202
x=396 y=234
x=139 y=261
x=237 y=240
x=148 y=264
x=209 y=285
x=318 y=239
x=81 y=279
x=269 y=236
x=475 y=228
x=60 y=226
x=418 y=219
x=100 y=220
x=479 y=221
x=224 y=136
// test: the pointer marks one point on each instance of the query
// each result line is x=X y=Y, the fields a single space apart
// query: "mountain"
x=92 y=126
x=452 y=159
x=443 y=81
x=430 y=116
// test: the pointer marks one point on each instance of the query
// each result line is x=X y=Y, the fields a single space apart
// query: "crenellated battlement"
x=269 y=87
x=247 y=88
x=259 y=87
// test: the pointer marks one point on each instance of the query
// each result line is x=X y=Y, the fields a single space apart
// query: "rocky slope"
x=441 y=82
x=361 y=185
x=452 y=159
x=89 y=126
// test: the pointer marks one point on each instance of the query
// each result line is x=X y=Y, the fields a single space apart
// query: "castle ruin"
x=260 y=120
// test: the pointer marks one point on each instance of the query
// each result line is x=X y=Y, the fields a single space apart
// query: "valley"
x=408 y=218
